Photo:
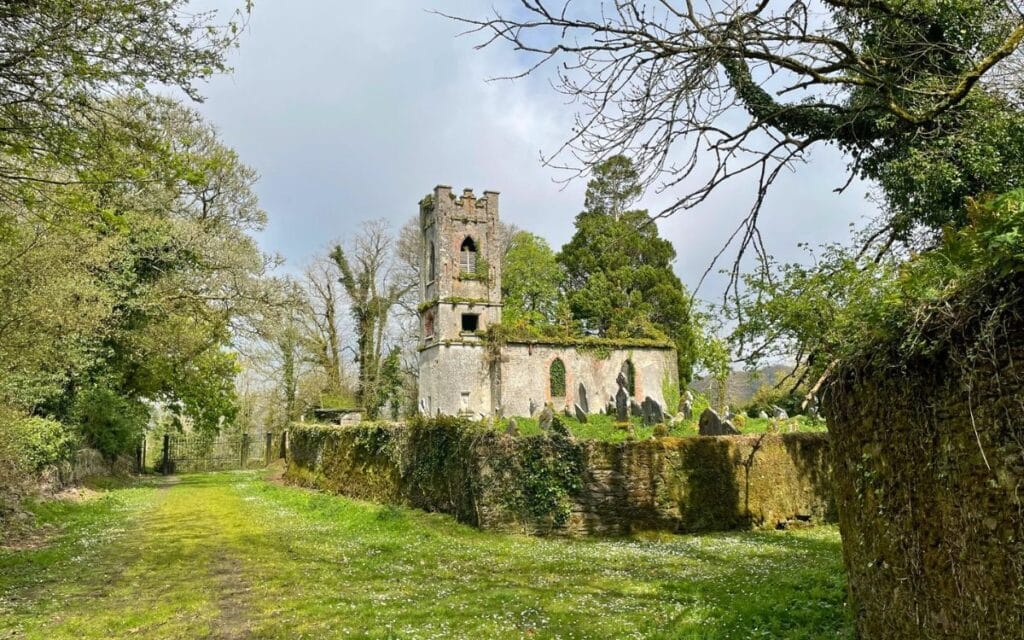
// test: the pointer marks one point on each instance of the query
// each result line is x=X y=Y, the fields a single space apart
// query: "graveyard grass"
x=233 y=555
x=605 y=428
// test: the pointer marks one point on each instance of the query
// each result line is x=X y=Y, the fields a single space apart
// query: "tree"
x=619 y=277
x=921 y=95
x=374 y=287
x=59 y=57
x=531 y=281
x=324 y=337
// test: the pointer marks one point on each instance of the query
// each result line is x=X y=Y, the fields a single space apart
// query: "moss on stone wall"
x=929 y=450
x=551 y=483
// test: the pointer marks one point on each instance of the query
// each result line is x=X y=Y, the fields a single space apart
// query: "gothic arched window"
x=629 y=371
x=467 y=256
x=557 y=378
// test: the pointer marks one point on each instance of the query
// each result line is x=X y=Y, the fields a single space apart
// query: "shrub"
x=110 y=422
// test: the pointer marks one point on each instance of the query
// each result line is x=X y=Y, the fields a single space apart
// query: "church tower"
x=460 y=288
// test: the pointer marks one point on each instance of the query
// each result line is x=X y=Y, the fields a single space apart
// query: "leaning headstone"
x=622 y=405
x=513 y=427
x=582 y=401
x=711 y=424
x=559 y=428
x=547 y=416
x=581 y=415
x=780 y=413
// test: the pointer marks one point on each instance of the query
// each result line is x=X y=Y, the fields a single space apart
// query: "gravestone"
x=610 y=408
x=513 y=427
x=728 y=414
x=652 y=412
x=581 y=415
x=533 y=407
x=762 y=415
x=636 y=409
x=559 y=428
x=687 y=409
x=780 y=413
x=621 y=405
x=567 y=411
x=711 y=424
x=546 y=417
x=582 y=401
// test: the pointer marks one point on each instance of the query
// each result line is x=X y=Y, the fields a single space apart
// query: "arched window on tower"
x=431 y=263
x=557 y=378
x=467 y=256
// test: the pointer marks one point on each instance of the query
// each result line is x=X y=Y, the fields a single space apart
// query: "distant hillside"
x=742 y=385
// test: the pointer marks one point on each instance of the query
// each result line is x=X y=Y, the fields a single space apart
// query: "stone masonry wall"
x=549 y=484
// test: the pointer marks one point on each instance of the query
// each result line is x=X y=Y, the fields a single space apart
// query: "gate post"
x=245 y=448
x=165 y=465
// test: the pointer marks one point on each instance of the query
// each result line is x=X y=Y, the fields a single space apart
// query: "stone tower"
x=460 y=289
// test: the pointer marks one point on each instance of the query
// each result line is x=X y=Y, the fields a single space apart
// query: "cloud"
x=354 y=111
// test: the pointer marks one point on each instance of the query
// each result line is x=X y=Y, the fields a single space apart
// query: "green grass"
x=230 y=555
x=602 y=427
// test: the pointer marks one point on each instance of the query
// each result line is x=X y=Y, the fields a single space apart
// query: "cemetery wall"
x=553 y=484
x=929 y=467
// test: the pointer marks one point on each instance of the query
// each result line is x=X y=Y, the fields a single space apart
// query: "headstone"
x=728 y=414
x=513 y=427
x=567 y=411
x=687 y=410
x=559 y=428
x=533 y=407
x=610 y=409
x=711 y=424
x=621 y=380
x=636 y=409
x=780 y=413
x=581 y=415
x=762 y=415
x=651 y=411
x=622 y=405
x=582 y=401
x=547 y=416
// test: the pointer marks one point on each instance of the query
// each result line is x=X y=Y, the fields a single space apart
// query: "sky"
x=353 y=111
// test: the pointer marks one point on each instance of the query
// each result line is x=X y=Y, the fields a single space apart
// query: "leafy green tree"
x=921 y=95
x=531 y=281
x=60 y=57
x=619 y=277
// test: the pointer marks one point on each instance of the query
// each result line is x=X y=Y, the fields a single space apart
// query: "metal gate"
x=191 y=452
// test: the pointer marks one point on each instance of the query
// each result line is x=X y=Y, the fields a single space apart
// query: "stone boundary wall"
x=552 y=484
x=929 y=482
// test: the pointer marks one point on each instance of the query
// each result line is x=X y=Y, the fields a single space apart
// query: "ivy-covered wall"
x=553 y=484
x=929 y=450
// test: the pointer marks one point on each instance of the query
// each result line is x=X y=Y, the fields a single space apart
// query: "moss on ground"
x=230 y=555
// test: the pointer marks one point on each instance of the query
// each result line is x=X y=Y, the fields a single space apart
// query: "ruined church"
x=461 y=374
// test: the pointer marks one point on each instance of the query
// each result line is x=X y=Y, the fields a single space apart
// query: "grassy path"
x=232 y=556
